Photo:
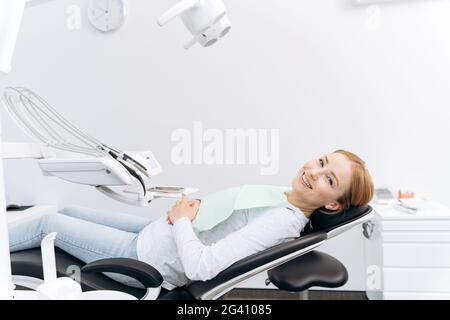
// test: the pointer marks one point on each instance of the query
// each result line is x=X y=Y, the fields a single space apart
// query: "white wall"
x=328 y=74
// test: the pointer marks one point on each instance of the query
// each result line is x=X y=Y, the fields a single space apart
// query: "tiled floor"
x=271 y=294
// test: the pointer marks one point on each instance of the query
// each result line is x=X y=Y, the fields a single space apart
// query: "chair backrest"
x=323 y=220
x=321 y=228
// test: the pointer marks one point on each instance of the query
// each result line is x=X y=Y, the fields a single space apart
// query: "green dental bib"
x=218 y=206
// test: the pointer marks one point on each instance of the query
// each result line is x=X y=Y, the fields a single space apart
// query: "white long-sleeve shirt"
x=182 y=254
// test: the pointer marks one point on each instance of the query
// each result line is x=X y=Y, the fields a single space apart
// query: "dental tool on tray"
x=96 y=163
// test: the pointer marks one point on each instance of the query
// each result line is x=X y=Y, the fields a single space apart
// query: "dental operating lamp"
x=206 y=20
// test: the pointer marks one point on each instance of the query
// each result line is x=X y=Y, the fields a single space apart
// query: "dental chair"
x=293 y=266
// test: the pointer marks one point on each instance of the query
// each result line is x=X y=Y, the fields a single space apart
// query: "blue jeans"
x=85 y=233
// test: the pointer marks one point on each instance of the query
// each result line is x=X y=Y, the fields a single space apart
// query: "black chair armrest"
x=141 y=271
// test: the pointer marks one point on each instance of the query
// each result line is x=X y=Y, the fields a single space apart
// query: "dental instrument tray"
x=161 y=191
x=74 y=156
x=166 y=189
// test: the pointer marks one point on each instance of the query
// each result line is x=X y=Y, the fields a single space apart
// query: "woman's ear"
x=334 y=206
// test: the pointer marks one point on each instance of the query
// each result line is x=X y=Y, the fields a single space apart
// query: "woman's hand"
x=183 y=208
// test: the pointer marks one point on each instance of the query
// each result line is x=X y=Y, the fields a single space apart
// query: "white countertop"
x=428 y=210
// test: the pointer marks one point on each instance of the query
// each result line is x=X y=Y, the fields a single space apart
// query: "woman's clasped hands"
x=183 y=208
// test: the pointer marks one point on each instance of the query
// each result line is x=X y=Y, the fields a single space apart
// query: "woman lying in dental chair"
x=171 y=244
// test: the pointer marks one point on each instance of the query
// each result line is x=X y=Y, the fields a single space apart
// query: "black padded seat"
x=312 y=269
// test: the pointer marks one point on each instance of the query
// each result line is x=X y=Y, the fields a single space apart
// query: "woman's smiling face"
x=322 y=181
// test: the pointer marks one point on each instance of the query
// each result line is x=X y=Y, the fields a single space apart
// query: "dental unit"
x=75 y=156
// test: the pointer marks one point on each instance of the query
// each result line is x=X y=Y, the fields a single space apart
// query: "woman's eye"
x=330 y=181
x=321 y=162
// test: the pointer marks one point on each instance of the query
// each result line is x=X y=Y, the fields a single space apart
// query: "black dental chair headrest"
x=325 y=220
